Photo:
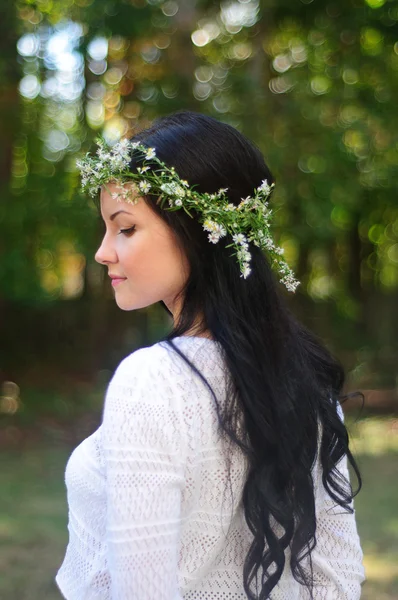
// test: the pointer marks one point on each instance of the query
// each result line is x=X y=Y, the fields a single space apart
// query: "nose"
x=105 y=253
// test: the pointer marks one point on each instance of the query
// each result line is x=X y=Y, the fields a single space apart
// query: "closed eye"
x=127 y=231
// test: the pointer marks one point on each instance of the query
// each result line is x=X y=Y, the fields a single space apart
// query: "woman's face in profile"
x=140 y=250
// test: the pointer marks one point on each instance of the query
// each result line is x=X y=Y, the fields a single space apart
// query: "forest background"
x=314 y=83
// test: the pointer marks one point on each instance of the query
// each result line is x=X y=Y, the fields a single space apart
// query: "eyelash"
x=127 y=231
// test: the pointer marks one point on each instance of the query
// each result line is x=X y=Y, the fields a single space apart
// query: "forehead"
x=126 y=198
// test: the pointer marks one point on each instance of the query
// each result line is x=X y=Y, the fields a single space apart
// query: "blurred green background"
x=315 y=84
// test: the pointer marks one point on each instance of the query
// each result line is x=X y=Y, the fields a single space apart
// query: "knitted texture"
x=151 y=516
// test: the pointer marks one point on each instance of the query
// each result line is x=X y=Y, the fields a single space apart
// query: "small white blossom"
x=121 y=148
x=244 y=255
x=151 y=153
x=105 y=156
x=120 y=154
x=173 y=189
x=213 y=237
x=291 y=284
x=268 y=243
x=179 y=191
x=246 y=270
x=239 y=238
x=265 y=187
x=244 y=202
x=209 y=225
x=117 y=163
x=178 y=202
x=144 y=186
x=167 y=188
x=214 y=227
x=257 y=203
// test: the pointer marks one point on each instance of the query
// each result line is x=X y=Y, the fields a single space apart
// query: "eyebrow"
x=118 y=213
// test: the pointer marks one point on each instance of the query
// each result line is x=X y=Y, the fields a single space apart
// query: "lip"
x=116 y=280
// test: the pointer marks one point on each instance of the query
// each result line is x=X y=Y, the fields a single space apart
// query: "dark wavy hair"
x=283 y=382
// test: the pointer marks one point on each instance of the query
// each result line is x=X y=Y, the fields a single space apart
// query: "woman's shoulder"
x=162 y=357
x=160 y=360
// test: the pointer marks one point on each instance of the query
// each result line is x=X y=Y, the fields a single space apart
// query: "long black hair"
x=283 y=382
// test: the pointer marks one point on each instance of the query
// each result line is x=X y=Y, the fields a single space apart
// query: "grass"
x=33 y=518
x=375 y=444
x=33 y=513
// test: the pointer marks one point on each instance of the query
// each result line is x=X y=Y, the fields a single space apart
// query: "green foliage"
x=313 y=84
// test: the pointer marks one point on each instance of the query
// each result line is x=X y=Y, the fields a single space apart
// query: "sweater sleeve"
x=337 y=556
x=144 y=442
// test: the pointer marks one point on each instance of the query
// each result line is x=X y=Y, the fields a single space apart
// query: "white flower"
x=142 y=169
x=121 y=148
x=268 y=243
x=265 y=187
x=120 y=156
x=210 y=225
x=173 y=189
x=167 y=188
x=244 y=255
x=213 y=237
x=117 y=163
x=291 y=285
x=246 y=270
x=179 y=191
x=216 y=228
x=151 y=153
x=144 y=186
x=178 y=202
x=223 y=231
x=239 y=238
x=184 y=183
x=124 y=144
x=105 y=156
x=244 y=202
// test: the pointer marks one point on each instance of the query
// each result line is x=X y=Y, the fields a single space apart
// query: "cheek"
x=139 y=256
x=153 y=258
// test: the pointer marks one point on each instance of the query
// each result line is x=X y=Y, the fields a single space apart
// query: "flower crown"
x=249 y=221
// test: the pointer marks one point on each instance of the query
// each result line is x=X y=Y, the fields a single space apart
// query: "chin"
x=126 y=305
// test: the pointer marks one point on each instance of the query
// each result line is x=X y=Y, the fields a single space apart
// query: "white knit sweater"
x=148 y=518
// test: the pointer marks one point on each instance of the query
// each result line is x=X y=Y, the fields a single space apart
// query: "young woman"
x=219 y=471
